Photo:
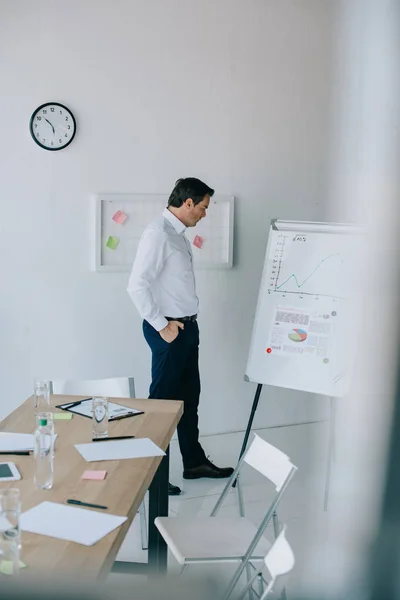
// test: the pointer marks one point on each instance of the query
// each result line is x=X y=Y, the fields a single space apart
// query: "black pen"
x=118 y=437
x=126 y=415
x=74 y=403
x=17 y=452
x=79 y=503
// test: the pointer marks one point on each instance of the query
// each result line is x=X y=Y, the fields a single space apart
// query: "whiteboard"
x=300 y=337
x=120 y=220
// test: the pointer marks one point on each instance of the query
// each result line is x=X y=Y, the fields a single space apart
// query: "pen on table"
x=17 y=452
x=79 y=503
x=118 y=437
x=126 y=415
x=74 y=403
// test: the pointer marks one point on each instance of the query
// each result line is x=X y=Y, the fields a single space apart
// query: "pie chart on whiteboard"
x=298 y=335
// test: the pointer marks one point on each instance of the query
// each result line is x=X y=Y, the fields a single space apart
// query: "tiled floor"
x=302 y=506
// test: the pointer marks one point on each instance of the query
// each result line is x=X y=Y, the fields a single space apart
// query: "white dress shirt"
x=162 y=282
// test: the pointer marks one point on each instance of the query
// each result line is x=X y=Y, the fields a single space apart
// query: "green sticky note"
x=65 y=416
x=6 y=567
x=112 y=242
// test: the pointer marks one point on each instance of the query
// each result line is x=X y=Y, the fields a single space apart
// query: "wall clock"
x=52 y=126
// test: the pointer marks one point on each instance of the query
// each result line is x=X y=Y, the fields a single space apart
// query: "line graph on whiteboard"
x=309 y=265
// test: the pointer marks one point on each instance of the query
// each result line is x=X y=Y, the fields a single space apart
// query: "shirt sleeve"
x=148 y=264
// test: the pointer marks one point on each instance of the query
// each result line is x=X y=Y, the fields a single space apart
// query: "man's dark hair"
x=189 y=187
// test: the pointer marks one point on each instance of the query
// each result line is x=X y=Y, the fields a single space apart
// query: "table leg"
x=158 y=507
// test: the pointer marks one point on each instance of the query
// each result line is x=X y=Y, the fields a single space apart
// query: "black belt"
x=191 y=319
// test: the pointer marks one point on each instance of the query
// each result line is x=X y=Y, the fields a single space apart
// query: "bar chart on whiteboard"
x=299 y=335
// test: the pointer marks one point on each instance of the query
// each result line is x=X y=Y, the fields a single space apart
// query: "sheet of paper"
x=120 y=217
x=94 y=475
x=16 y=441
x=305 y=333
x=112 y=242
x=198 y=241
x=70 y=523
x=119 y=449
x=64 y=416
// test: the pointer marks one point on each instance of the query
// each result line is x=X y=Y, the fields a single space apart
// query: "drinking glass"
x=41 y=395
x=100 y=416
x=10 y=510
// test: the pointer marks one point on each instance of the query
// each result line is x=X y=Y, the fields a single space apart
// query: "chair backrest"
x=269 y=461
x=279 y=561
x=280 y=557
x=118 y=387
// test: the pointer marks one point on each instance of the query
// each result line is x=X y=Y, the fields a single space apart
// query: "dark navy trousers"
x=175 y=376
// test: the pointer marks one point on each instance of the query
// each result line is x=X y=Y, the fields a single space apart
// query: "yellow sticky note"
x=64 y=416
x=6 y=567
x=112 y=242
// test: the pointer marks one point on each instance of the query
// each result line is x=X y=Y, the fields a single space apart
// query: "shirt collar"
x=175 y=222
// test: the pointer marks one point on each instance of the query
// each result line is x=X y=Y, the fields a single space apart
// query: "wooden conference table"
x=122 y=491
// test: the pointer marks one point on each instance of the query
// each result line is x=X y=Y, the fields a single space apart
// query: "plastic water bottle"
x=44 y=455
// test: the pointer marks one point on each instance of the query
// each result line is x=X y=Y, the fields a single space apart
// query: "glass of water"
x=43 y=473
x=100 y=416
x=41 y=395
x=9 y=558
x=10 y=510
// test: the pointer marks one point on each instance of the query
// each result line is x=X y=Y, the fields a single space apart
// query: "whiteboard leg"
x=250 y=423
x=331 y=450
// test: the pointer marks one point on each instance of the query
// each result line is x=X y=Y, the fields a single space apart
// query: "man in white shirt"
x=163 y=288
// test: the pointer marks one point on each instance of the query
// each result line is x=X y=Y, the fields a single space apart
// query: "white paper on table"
x=119 y=449
x=85 y=408
x=18 y=442
x=70 y=523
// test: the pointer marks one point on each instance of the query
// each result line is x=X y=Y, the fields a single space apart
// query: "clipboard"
x=116 y=412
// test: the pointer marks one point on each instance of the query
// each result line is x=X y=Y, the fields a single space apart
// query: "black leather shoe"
x=173 y=490
x=207 y=470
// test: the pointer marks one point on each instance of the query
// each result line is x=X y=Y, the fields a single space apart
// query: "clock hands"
x=50 y=125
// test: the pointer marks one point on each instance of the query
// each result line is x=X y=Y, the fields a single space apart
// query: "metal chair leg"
x=260 y=585
x=248 y=586
x=276 y=532
x=249 y=577
x=143 y=526
x=268 y=589
x=184 y=568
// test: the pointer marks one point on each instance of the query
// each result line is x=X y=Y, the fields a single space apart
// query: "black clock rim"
x=31 y=125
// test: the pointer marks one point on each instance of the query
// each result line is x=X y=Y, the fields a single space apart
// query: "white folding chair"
x=219 y=539
x=279 y=561
x=117 y=387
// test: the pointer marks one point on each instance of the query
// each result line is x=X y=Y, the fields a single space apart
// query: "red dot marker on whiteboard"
x=269 y=350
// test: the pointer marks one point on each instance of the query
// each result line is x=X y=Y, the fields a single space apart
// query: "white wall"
x=232 y=91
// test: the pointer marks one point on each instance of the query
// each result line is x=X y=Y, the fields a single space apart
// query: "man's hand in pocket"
x=171 y=331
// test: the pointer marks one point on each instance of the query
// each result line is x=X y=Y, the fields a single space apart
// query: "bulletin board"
x=120 y=220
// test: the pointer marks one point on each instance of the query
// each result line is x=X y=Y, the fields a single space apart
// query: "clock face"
x=52 y=126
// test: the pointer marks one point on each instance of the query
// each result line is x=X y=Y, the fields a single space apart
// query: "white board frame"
x=98 y=200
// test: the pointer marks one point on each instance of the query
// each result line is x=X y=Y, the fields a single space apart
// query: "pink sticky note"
x=94 y=475
x=198 y=241
x=120 y=217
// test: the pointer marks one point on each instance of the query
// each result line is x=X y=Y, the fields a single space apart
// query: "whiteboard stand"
x=250 y=423
x=331 y=450
x=300 y=335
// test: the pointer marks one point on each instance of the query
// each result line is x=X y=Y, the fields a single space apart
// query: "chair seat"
x=204 y=539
